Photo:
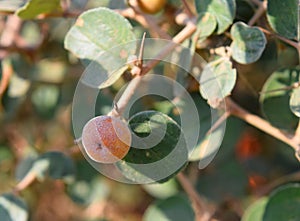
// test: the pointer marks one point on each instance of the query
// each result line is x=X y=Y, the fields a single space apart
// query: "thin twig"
x=134 y=83
x=288 y=41
x=7 y=72
x=297 y=134
x=293 y=86
x=187 y=8
x=141 y=53
x=201 y=211
x=260 y=123
x=269 y=187
x=259 y=12
x=147 y=21
x=25 y=182
x=257 y=2
x=218 y=122
x=9 y=34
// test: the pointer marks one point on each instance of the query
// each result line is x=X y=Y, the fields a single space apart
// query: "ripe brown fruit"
x=106 y=139
x=151 y=6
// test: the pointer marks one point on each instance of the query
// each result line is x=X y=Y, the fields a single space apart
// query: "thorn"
x=141 y=53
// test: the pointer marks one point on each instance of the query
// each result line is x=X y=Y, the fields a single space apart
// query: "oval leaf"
x=217 y=81
x=158 y=149
x=33 y=8
x=275 y=96
x=162 y=190
x=284 y=204
x=248 y=43
x=206 y=24
x=45 y=99
x=224 y=12
x=283 y=17
x=176 y=208
x=12 y=208
x=295 y=102
x=256 y=211
x=89 y=186
x=55 y=165
x=106 y=37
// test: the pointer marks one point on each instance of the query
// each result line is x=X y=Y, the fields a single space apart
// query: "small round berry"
x=151 y=6
x=106 y=139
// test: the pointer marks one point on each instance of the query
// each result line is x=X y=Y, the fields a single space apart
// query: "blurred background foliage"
x=36 y=133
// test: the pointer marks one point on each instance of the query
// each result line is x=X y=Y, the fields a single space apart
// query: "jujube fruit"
x=151 y=6
x=106 y=139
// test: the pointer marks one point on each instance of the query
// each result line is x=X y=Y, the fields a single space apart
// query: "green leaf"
x=55 y=165
x=217 y=81
x=223 y=11
x=24 y=166
x=295 y=102
x=256 y=211
x=284 y=204
x=283 y=17
x=89 y=186
x=162 y=190
x=176 y=208
x=206 y=24
x=33 y=8
x=45 y=99
x=248 y=43
x=156 y=143
x=106 y=37
x=12 y=208
x=275 y=96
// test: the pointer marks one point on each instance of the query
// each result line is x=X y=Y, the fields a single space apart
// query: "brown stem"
x=25 y=182
x=201 y=211
x=260 y=123
x=9 y=34
x=260 y=11
x=7 y=72
x=269 y=187
x=288 y=41
x=132 y=86
x=257 y=2
x=297 y=134
x=187 y=8
x=145 y=20
x=218 y=122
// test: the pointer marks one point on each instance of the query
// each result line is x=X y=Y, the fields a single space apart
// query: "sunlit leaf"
x=105 y=37
x=295 y=102
x=12 y=208
x=206 y=24
x=248 y=43
x=33 y=8
x=217 y=81
x=256 y=211
x=224 y=11
x=162 y=190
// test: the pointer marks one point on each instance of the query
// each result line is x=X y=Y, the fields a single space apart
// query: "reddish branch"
x=201 y=210
x=261 y=124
